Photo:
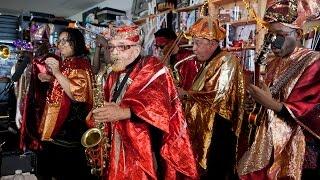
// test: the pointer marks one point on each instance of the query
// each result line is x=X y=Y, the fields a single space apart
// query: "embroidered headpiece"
x=126 y=32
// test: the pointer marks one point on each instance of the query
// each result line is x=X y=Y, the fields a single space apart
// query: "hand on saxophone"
x=111 y=112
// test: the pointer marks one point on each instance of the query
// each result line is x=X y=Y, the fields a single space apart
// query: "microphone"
x=20 y=68
x=11 y=130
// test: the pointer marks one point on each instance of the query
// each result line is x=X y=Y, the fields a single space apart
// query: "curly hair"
x=76 y=40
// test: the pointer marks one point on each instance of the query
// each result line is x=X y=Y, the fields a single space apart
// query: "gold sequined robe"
x=279 y=147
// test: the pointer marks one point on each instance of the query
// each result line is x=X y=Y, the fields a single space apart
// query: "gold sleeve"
x=81 y=85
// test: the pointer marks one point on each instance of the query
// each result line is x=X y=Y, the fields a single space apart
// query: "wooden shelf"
x=242 y=22
x=221 y=2
x=143 y=19
x=239 y=48
x=183 y=9
x=189 y=8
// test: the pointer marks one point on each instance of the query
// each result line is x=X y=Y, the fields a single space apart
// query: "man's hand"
x=111 y=112
x=181 y=92
x=263 y=96
x=102 y=42
x=44 y=77
x=53 y=64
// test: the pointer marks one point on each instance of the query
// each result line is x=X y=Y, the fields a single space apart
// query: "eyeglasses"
x=120 y=48
x=62 y=41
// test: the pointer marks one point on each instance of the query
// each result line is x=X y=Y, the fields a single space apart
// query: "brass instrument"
x=170 y=51
x=77 y=25
x=4 y=51
x=175 y=67
x=95 y=140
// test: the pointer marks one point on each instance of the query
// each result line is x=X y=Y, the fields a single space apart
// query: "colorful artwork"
x=7 y=64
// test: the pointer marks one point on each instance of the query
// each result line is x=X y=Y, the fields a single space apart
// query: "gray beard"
x=121 y=64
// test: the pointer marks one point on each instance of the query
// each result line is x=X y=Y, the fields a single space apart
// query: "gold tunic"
x=218 y=90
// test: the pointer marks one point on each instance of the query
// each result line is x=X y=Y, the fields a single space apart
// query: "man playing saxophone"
x=214 y=104
x=148 y=133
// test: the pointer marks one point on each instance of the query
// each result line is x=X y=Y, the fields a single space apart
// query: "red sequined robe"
x=58 y=104
x=279 y=149
x=151 y=96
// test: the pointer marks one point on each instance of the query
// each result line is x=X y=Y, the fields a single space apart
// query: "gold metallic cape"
x=218 y=90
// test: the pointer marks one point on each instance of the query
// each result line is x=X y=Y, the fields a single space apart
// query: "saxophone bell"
x=92 y=137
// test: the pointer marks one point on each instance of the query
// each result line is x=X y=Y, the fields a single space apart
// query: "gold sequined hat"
x=208 y=28
x=282 y=11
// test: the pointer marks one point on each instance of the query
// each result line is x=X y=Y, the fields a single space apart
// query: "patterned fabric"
x=279 y=149
x=58 y=104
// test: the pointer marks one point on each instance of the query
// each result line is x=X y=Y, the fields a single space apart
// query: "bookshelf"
x=223 y=2
x=234 y=49
x=189 y=8
x=242 y=22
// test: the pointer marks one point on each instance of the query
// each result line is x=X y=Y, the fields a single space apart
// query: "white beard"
x=120 y=62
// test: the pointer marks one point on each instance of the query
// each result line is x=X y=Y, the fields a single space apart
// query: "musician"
x=149 y=137
x=31 y=106
x=68 y=101
x=215 y=105
x=286 y=144
x=164 y=40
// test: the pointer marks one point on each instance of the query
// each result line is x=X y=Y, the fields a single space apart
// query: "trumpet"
x=4 y=51
x=77 y=25
x=175 y=67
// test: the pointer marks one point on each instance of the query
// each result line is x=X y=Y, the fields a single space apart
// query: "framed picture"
x=87 y=13
x=139 y=6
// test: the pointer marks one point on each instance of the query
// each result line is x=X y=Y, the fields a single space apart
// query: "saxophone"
x=95 y=140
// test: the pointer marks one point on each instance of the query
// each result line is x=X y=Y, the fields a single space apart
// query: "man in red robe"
x=286 y=144
x=149 y=133
x=187 y=68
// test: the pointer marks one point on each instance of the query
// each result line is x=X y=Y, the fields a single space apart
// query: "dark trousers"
x=63 y=163
x=222 y=159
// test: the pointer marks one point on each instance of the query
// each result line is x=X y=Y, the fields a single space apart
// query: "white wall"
x=124 y=5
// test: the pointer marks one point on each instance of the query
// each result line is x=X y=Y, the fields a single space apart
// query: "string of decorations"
x=253 y=14
x=204 y=7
